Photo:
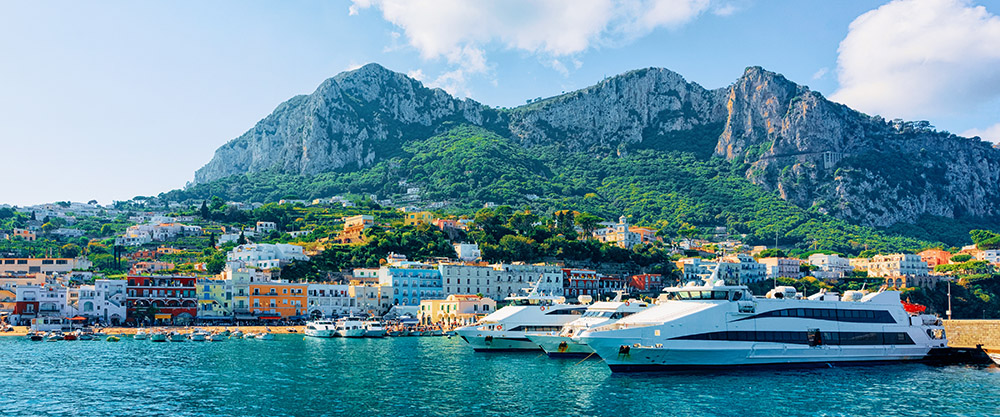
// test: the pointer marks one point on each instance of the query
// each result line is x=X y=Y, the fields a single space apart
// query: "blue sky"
x=108 y=100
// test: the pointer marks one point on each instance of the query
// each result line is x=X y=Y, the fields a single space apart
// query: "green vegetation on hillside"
x=669 y=183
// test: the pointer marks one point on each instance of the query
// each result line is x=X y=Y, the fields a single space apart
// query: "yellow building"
x=418 y=217
x=215 y=298
x=457 y=309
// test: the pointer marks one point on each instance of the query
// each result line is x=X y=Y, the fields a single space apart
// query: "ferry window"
x=719 y=295
x=737 y=295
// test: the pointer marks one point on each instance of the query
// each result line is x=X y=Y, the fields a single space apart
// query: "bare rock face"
x=350 y=121
x=812 y=152
x=823 y=155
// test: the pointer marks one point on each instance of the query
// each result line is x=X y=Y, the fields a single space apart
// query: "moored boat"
x=374 y=328
x=350 y=327
x=265 y=336
x=177 y=337
x=322 y=328
x=140 y=335
x=718 y=326
x=566 y=343
x=157 y=336
x=217 y=337
x=508 y=327
x=198 y=336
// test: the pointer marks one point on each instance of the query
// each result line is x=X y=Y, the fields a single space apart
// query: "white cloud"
x=460 y=31
x=991 y=133
x=820 y=73
x=417 y=74
x=920 y=58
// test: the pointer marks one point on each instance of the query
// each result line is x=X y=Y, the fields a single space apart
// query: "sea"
x=440 y=376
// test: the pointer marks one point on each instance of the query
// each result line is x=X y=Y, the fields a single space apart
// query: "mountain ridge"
x=786 y=138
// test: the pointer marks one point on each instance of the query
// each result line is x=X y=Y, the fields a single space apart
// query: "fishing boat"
x=71 y=336
x=374 y=328
x=53 y=337
x=508 y=327
x=217 y=337
x=565 y=341
x=141 y=335
x=322 y=328
x=85 y=336
x=177 y=337
x=718 y=326
x=157 y=336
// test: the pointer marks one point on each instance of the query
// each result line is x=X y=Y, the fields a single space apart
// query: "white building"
x=468 y=279
x=513 y=278
x=329 y=300
x=265 y=256
x=830 y=266
x=741 y=268
x=991 y=255
x=468 y=252
x=266 y=227
x=371 y=298
x=103 y=301
x=782 y=267
x=48 y=300
x=141 y=234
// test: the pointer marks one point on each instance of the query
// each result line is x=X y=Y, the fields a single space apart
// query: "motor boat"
x=36 y=337
x=374 y=328
x=265 y=336
x=140 y=335
x=508 y=327
x=236 y=334
x=53 y=337
x=565 y=343
x=177 y=337
x=350 y=327
x=71 y=336
x=249 y=335
x=321 y=328
x=217 y=337
x=157 y=336
x=198 y=336
x=718 y=326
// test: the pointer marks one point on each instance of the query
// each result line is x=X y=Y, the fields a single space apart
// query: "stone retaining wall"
x=969 y=333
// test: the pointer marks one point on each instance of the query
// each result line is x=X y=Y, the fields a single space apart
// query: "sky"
x=108 y=100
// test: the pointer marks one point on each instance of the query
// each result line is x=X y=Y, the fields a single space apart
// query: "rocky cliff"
x=813 y=152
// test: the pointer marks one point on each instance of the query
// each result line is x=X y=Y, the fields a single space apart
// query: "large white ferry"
x=321 y=328
x=566 y=342
x=720 y=326
x=508 y=327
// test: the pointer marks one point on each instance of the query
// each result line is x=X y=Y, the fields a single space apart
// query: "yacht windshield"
x=702 y=295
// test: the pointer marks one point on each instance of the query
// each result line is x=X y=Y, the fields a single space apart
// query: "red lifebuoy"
x=499 y=327
x=543 y=308
x=627 y=303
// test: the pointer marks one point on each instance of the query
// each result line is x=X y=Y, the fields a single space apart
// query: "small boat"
x=374 y=328
x=198 y=336
x=236 y=335
x=85 y=336
x=177 y=337
x=434 y=332
x=395 y=333
x=995 y=356
x=141 y=335
x=265 y=336
x=249 y=335
x=53 y=337
x=113 y=338
x=157 y=337
x=70 y=336
x=224 y=333
x=36 y=337
x=217 y=337
x=416 y=333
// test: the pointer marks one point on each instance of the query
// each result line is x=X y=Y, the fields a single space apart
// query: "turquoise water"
x=441 y=376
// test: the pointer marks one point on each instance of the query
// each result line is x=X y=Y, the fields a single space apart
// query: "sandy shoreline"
x=23 y=330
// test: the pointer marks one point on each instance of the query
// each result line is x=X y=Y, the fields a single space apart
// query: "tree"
x=771 y=253
x=211 y=239
x=518 y=248
x=107 y=230
x=964 y=257
x=588 y=222
x=242 y=239
x=48 y=227
x=300 y=271
x=69 y=250
x=204 y=210
x=523 y=222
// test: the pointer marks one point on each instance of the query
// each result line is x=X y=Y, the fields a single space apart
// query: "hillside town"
x=257 y=284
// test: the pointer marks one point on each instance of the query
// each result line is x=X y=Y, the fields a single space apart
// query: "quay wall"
x=969 y=333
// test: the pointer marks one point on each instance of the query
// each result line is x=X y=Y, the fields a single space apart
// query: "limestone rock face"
x=812 y=152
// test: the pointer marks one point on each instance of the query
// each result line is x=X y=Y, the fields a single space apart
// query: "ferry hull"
x=353 y=333
x=320 y=333
x=683 y=356
x=560 y=346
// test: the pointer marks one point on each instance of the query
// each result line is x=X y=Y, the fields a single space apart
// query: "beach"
x=23 y=330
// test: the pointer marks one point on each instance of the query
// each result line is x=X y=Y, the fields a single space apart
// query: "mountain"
x=380 y=129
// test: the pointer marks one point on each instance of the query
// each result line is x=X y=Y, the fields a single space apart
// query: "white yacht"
x=321 y=328
x=720 y=326
x=374 y=328
x=508 y=327
x=350 y=327
x=566 y=342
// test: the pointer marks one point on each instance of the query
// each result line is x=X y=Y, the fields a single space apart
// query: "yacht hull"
x=489 y=341
x=320 y=333
x=351 y=333
x=560 y=346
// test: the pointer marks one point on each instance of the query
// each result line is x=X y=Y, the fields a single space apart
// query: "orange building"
x=354 y=228
x=935 y=257
x=273 y=300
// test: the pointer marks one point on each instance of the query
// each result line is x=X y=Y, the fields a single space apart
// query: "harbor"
x=418 y=376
